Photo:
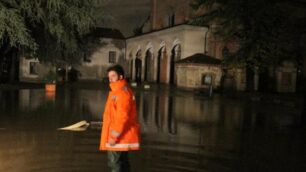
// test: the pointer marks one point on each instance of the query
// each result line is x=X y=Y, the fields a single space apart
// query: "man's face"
x=113 y=76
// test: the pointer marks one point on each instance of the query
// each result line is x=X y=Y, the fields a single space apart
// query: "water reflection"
x=187 y=133
x=180 y=132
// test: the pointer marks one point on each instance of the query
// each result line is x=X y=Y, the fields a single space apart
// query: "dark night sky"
x=125 y=14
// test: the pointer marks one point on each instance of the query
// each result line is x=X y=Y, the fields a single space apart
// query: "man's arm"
x=123 y=106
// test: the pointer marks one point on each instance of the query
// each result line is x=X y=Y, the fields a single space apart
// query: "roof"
x=107 y=33
x=200 y=59
x=165 y=28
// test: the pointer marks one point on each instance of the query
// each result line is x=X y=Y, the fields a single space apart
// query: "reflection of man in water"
x=120 y=132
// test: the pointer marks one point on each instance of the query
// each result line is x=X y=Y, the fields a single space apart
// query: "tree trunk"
x=66 y=73
x=1 y=69
x=13 y=71
x=303 y=115
x=250 y=79
x=265 y=82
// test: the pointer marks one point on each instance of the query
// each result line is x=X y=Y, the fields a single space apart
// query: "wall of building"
x=92 y=68
x=190 y=75
x=96 y=65
x=40 y=70
x=165 y=10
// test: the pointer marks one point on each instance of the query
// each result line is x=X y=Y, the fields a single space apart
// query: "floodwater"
x=181 y=132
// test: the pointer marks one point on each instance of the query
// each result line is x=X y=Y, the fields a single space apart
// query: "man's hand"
x=112 y=142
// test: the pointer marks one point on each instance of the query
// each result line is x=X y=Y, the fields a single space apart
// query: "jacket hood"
x=117 y=85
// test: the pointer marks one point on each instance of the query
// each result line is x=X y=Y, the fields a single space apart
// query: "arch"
x=163 y=62
x=148 y=65
x=130 y=64
x=138 y=49
x=138 y=66
x=162 y=44
x=176 y=42
x=160 y=56
x=149 y=47
x=175 y=55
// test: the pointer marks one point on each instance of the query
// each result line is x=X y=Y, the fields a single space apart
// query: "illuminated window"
x=206 y=79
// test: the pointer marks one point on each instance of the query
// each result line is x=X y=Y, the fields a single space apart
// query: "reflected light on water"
x=50 y=95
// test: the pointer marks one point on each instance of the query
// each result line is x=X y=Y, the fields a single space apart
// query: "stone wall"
x=190 y=75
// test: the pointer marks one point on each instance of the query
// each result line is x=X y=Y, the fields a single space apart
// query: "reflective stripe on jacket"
x=120 y=120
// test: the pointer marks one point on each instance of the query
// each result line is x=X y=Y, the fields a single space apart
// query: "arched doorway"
x=148 y=66
x=175 y=55
x=131 y=69
x=162 y=62
x=130 y=66
x=138 y=66
x=159 y=63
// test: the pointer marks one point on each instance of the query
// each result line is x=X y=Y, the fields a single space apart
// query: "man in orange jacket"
x=121 y=130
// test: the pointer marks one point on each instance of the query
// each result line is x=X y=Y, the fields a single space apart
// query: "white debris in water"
x=79 y=126
x=82 y=126
x=147 y=86
x=134 y=84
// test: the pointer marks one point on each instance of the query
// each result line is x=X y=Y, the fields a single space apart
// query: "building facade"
x=168 y=38
x=152 y=56
x=110 y=51
x=206 y=72
x=32 y=70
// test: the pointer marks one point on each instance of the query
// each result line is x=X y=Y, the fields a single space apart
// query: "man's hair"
x=117 y=68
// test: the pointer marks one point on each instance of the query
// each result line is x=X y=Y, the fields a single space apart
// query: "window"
x=225 y=52
x=112 y=57
x=33 y=68
x=206 y=79
x=86 y=58
x=171 y=20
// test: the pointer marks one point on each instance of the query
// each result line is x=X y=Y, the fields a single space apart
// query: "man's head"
x=115 y=73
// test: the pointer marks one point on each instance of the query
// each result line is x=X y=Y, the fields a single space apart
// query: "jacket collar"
x=117 y=85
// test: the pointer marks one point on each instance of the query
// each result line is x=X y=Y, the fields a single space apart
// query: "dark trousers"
x=118 y=161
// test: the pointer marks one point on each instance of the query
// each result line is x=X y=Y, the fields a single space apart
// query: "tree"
x=260 y=27
x=50 y=30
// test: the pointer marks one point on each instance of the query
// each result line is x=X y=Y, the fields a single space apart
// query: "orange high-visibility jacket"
x=120 y=120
